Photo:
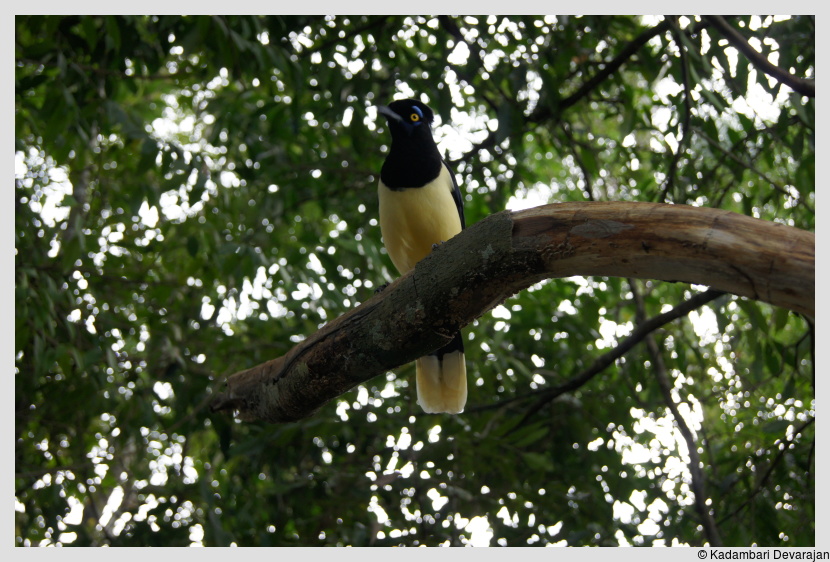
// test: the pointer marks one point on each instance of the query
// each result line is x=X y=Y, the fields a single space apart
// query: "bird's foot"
x=381 y=288
x=435 y=246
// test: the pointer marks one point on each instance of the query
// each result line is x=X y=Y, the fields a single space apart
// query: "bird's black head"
x=413 y=158
x=408 y=118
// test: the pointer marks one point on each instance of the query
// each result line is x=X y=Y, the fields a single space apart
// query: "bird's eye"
x=416 y=114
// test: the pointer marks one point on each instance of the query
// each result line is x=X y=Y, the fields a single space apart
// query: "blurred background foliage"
x=193 y=195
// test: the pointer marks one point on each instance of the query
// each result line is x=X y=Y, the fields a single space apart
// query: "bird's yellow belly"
x=412 y=220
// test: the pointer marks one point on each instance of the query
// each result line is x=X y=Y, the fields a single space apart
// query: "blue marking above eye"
x=417 y=110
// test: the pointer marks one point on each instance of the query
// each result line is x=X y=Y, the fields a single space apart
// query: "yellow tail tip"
x=442 y=383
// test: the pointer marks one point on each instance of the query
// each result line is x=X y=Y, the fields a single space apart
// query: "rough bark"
x=504 y=254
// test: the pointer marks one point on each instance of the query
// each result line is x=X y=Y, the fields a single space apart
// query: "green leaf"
x=780 y=317
x=505 y=119
x=528 y=436
x=776 y=427
x=113 y=35
x=537 y=461
x=192 y=246
x=148 y=154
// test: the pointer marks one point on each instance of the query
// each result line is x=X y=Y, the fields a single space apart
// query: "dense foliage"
x=194 y=195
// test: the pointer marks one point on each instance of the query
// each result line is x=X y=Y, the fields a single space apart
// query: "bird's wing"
x=456 y=196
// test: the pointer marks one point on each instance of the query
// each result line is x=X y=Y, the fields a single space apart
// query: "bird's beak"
x=389 y=114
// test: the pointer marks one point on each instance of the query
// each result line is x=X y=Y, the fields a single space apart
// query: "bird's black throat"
x=413 y=160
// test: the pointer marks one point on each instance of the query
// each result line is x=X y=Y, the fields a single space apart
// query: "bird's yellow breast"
x=413 y=219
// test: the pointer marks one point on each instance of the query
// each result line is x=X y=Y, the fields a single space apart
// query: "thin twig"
x=787 y=442
x=803 y=86
x=543 y=113
x=98 y=70
x=579 y=162
x=687 y=112
x=547 y=395
x=799 y=200
x=698 y=479
x=452 y=28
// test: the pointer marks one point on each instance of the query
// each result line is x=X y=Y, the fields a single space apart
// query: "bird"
x=420 y=206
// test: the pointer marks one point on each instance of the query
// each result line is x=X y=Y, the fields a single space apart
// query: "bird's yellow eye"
x=414 y=117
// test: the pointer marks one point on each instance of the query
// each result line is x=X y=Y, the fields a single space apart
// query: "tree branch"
x=642 y=331
x=799 y=200
x=698 y=479
x=783 y=446
x=683 y=130
x=610 y=68
x=543 y=113
x=506 y=253
x=580 y=163
x=80 y=192
x=803 y=86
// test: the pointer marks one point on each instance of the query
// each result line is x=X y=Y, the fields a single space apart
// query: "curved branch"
x=803 y=86
x=508 y=252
